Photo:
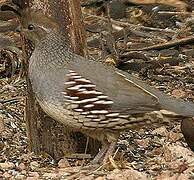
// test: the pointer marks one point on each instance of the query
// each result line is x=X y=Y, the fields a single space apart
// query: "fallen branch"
x=173 y=43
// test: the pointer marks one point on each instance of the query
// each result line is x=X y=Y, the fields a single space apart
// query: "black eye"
x=30 y=26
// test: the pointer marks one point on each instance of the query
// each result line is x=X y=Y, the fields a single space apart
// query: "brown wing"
x=126 y=96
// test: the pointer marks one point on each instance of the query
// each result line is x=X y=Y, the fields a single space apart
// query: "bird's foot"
x=105 y=156
x=99 y=157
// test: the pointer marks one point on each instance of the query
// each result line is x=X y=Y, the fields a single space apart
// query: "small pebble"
x=50 y=175
x=21 y=166
x=32 y=178
x=6 y=175
x=34 y=165
x=7 y=165
x=63 y=163
x=34 y=174
x=100 y=178
x=162 y=131
x=20 y=177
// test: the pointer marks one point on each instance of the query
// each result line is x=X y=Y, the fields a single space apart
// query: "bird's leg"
x=109 y=151
x=100 y=154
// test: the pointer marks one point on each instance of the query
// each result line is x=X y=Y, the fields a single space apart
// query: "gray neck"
x=54 y=41
x=53 y=50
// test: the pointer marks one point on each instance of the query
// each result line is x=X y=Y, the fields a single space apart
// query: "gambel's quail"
x=87 y=95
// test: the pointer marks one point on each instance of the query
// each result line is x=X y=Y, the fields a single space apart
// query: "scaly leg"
x=101 y=153
x=109 y=152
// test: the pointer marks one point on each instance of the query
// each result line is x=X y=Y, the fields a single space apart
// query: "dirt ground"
x=157 y=152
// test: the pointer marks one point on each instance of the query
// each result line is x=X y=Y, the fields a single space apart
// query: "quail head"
x=87 y=95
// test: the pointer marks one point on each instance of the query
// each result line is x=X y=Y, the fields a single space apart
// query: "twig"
x=123 y=33
x=12 y=100
x=124 y=24
x=85 y=151
x=177 y=42
x=175 y=13
x=8 y=26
